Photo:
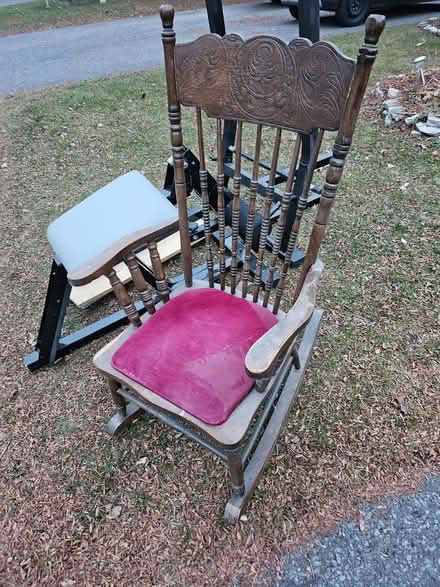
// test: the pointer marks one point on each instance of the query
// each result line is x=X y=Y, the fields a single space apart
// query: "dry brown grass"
x=367 y=421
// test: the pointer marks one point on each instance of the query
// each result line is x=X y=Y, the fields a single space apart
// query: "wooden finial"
x=167 y=15
x=373 y=28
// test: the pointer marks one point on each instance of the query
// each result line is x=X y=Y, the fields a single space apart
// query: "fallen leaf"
x=115 y=512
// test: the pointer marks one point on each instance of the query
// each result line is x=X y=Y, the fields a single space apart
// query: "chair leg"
x=263 y=450
x=125 y=413
x=236 y=471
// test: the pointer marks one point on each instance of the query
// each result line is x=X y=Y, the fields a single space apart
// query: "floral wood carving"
x=299 y=86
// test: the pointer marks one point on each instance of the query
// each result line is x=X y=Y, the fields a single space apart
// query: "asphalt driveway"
x=33 y=60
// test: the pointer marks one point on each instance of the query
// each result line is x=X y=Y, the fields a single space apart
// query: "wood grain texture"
x=124 y=299
x=365 y=60
x=85 y=295
x=140 y=283
x=111 y=256
x=176 y=136
x=264 y=354
x=159 y=273
x=299 y=86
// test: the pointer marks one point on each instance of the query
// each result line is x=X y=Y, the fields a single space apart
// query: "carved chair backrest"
x=300 y=87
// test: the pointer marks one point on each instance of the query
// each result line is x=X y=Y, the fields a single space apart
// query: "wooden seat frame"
x=264 y=82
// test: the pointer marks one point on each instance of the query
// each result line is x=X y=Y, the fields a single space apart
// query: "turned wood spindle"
x=236 y=184
x=268 y=195
x=140 y=283
x=205 y=198
x=178 y=149
x=159 y=273
x=302 y=204
x=251 y=212
x=281 y=224
x=124 y=299
x=221 y=202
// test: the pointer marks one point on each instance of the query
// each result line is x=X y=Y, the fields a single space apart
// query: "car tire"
x=294 y=11
x=352 y=12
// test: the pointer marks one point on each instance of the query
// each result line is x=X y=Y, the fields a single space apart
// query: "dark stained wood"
x=139 y=282
x=178 y=149
x=302 y=203
x=221 y=202
x=263 y=355
x=299 y=86
x=105 y=261
x=251 y=212
x=159 y=274
x=281 y=224
x=266 y=82
x=268 y=195
x=124 y=299
x=205 y=198
x=366 y=57
x=236 y=183
x=237 y=504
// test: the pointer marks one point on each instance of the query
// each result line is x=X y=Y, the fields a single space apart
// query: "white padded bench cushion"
x=128 y=203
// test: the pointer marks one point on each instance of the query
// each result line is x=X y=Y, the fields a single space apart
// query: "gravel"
x=399 y=545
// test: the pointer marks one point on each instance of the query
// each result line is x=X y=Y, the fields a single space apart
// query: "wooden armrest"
x=263 y=355
x=103 y=263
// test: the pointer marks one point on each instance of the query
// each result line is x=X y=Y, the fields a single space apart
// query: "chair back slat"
x=300 y=87
x=236 y=184
x=221 y=202
x=265 y=224
x=140 y=283
x=281 y=224
x=159 y=273
x=124 y=299
x=205 y=198
x=302 y=204
x=251 y=211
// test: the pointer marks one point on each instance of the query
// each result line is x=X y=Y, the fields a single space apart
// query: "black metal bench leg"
x=57 y=298
x=50 y=346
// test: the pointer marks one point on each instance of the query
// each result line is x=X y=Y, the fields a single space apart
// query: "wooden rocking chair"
x=223 y=364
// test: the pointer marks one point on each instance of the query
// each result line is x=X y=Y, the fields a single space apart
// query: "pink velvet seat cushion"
x=192 y=352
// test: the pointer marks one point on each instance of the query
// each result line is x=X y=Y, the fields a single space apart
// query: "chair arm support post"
x=103 y=263
x=263 y=356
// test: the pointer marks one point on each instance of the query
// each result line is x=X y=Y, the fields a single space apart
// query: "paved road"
x=9 y=2
x=33 y=60
x=399 y=546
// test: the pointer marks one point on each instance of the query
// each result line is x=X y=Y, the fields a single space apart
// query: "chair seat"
x=127 y=204
x=192 y=352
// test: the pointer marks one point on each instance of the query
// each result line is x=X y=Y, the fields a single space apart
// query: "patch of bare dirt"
x=414 y=97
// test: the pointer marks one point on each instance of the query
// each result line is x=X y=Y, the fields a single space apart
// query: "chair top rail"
x=299 y=86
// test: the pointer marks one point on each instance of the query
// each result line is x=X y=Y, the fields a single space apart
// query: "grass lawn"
x=34 y=16
x=367 y=421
